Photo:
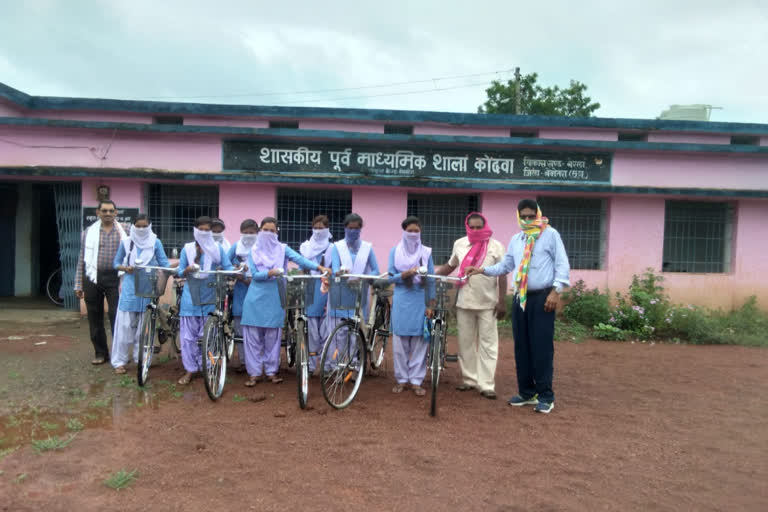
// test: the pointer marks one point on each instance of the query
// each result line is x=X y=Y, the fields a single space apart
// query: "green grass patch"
x=21 y=478
x=121 y=479
x=125 y=382
x=13 y=421
x=48 y=426
x=75 y=425
x=570 y=331
x=101 y=403
x=76 y=394
x=178 y=394
x=4 y=453
x=51 y=443
x=238 y=398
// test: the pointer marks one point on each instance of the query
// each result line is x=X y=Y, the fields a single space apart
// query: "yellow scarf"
x=532 y=229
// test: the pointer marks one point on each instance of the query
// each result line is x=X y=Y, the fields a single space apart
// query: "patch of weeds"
x=165 y=383
x=51 y=443
x=121 y=479
x=77 y=394
x=7 y=451
x=48 y=426
x=178 y=394
x=14 y=375
x=238 y=398
x=90 y=416
x=163 y=359
x=125 y=381
x=75 y=425
x=13 y=421
x=570 y=331
x=21 y=478
x=139 y=404
x=104 y=402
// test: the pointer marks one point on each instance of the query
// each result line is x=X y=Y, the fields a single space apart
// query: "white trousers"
x=126 y=338
x=478 y=347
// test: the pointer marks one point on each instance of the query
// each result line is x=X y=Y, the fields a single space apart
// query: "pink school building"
x=689 y=199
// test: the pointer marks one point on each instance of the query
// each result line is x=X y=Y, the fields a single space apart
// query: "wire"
x=33 y=146
x=402 y=93
x=340 y=89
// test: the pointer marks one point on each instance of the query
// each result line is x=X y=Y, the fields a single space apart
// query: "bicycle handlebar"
x=168 y=269
x=361 y=276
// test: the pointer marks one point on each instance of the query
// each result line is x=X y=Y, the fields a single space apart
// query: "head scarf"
x=144 y=244
x=268 y=252
x=408 y=253
x=317 y=244
x=478 y=240
x=532 y=230
x=219 y=239
x=209 y=247
x=245 y=244
x=352 y=237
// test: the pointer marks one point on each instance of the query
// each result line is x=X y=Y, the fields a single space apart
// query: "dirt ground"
x=636 y=427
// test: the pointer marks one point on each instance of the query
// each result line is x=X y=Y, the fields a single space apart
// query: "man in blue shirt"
x=537 y=257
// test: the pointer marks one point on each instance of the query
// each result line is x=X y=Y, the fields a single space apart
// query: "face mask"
x=412 y=237
x=248 y=239
x=266 y=238
x=352 y=235
x=140 y=233
x=219 y=237
x=201 y=237
x=321 y=234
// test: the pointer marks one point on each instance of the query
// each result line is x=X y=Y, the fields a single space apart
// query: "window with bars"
x=442 y=220
x=172 y=209
x=296 y=209
x=697 y=236
x=581 y=224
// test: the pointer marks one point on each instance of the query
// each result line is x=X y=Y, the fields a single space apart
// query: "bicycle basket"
x=345 y=293
x=440 y=295
x=300 y=293
x=202 y=291
x=149 y=283
x=382 y=288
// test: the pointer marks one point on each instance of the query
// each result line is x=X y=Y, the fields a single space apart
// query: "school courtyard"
x=637 y=426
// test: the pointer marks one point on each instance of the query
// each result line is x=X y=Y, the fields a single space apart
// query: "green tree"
x=538 y=100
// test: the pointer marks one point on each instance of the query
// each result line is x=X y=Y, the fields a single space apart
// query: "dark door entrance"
x=8 y=197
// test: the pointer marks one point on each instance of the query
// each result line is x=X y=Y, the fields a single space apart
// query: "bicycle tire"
x=53 y=287
x=380 y=336
x=302 y=364
x=336 y=379
x=146 y=347
x=214 y=359
x=436 y=364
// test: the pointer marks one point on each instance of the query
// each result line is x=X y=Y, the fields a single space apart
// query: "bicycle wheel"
x=175 y=328
x=229 y=338
x=290 y=345
x=436 y=363
x=302 y=364
x=214 y=359
x=53 y=288
x=380 y=336
x=342 y=362
x=146 y=345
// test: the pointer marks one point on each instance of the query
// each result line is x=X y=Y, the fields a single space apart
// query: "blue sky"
x=636 y=58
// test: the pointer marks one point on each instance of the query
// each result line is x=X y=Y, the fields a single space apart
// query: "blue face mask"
x=352 y=235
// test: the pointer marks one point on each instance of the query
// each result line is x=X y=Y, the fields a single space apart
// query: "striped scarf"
x=532 y=230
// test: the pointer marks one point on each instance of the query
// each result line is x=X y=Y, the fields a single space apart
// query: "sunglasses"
x=107 y=211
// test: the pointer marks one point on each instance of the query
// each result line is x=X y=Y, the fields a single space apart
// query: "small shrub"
x=587 y=307
x=609 y=332
x=75 y=425
x=51 y=443
x=121 y=479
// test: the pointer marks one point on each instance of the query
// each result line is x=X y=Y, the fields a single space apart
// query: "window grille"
x=697 y=236
x=172 y=209
x=442 y=220
x=296 y=209
x=398 y=129
x=581 y=224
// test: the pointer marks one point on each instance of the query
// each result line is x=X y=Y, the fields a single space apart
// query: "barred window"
x=442 y=220
x=172 y=209
x=697 y=236
x=296 y=208
x=581 y=224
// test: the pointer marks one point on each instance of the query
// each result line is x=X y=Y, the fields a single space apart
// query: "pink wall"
x=125 y=193
x=240 y=201
x=475 y=131
x=577 y=134
x=737 y=172
x=695 y=138
x=344 y=126
x=764 y=141
x=84 y=148
x=750 y=264
x=382 y=210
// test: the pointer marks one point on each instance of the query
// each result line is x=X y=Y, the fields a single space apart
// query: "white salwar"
x=126 y=338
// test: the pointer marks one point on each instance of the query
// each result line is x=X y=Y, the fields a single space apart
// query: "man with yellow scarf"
x=537 y=257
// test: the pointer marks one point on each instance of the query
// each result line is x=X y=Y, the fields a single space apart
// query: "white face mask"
x=219 y=237
x=248 y=239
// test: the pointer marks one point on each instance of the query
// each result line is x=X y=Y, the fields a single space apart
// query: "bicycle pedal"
x=452 y=357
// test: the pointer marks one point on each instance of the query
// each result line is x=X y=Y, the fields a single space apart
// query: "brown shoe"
x=398 y=388
x=120 y=370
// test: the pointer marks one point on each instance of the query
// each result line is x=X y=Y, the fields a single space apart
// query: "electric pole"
x=517 y=90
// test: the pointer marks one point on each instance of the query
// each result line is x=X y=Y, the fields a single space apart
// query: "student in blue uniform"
x=263 y=316
x=144 y=246
x=202 y=254
x=409 y=347
x=238 y=255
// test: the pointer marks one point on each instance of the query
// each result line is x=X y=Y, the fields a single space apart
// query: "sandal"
x=419 y=391
x=276 y=380
x=465 y=387
x=98 y=360
x=120 y=370
x=398 y=388
x=489 y=394
x=252 y=381
x=185 y=379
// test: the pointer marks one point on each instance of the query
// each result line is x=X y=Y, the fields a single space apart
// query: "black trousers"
x=106 y=286
x=534 y=333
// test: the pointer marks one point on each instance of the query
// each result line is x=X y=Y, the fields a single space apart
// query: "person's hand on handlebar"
x=323 y=270
x=471 y=271
x=410 y=272
x=275 y=272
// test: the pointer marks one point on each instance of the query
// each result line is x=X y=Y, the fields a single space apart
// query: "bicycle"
x=440 y=303
x=170 y=321
x=299 y=294
x=379 y=322
x=214 y=343
x=53 y=287
x=149 y=283
x=345 y=350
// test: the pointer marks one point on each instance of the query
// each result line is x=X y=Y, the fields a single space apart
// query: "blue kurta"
x=408 y=301
x=317 y=308
x=128 y=300
x=336 y=265
x=261 y=307
x=241 y=288
x=187 y=307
